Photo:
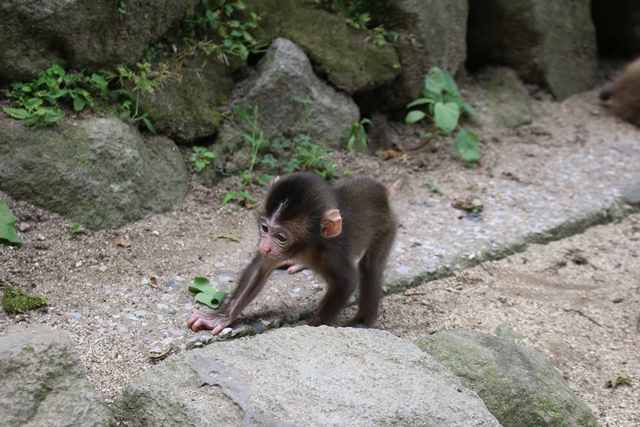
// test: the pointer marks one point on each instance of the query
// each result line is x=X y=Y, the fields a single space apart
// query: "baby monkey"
x=343 y=233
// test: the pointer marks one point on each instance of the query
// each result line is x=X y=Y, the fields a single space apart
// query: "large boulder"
x=547 y=42
x=35 y=34
x=500 y=98
x=349 y=62
x=189 y=109
x=42 y=383
x=98 y=172
x=303 y=376
x=519 y=386
x=439 y=29
x=285 y=73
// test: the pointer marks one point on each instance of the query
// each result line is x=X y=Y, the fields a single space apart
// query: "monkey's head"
x=299 y=211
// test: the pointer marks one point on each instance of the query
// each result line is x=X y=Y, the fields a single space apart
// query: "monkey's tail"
x=395 y=187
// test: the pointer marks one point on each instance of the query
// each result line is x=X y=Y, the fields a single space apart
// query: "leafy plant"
x=40 y=99
x=310 y=157
x=256 y=139
x=299 y=154
x=359 y=134
x=444 y=104
x=201 y=157
x=220 y=18
x=15 y=301
x=365 y=16
x=76 y=230
x=142 y=81
x=7 y=226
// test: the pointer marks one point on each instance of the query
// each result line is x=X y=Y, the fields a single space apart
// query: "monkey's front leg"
x=251 y=283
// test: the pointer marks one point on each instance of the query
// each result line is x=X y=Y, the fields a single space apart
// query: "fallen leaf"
x=619 y=379
x=125 y=241
x=389 y=154
x=235 y=237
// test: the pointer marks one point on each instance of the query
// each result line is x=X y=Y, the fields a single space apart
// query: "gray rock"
x=303 y=376
x=506 y=332
x=285 y=72
x=87 y=34
x=546 y=41
x=43 y=384
x=500 y=98
x=632 y=195
x=189 y=109
x=440 y=30
x=99 y=172
x=337 y=51
x=519 y=386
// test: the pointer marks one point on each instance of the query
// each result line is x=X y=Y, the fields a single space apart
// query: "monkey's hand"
x=207 y=320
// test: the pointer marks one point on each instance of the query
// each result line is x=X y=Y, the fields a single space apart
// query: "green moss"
x=349 y=61
x=15 y=301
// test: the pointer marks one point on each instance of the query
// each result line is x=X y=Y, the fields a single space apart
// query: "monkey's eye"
x=281 y=238
x=264 y=228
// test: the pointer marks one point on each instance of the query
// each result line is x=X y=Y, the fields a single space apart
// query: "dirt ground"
x=122 y=293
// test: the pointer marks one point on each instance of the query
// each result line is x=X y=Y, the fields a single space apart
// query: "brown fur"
x=624 y=94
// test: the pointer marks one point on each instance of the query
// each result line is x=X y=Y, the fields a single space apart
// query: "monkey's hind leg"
x=371 y=268
x=341 y=283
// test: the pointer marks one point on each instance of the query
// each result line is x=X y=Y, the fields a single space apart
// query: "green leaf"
x=51 y=116
x=78 y=103
x=467 y=145
x=56 y=69
x=211 y=299
x=415 y=116
x=99 y=79
x=436 y=80
x=246 y=195
x=243 y=115
x=228 y=197
x=450 y=84
x=200 y=284
x=461 y=103
x=7 y=225
x=445 y=116
x=421 y=101
x=17 y=113
x=149 y=125
x=33 y=103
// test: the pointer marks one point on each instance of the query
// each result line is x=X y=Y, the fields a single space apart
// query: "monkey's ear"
x=331 y=223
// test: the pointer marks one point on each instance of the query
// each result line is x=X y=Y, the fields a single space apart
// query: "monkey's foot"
x=291 y=266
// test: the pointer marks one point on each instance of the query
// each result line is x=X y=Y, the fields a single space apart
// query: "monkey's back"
x=366 y=212
x=625 y=94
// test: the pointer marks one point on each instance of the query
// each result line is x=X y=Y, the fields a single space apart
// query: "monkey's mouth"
x=273 y=257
